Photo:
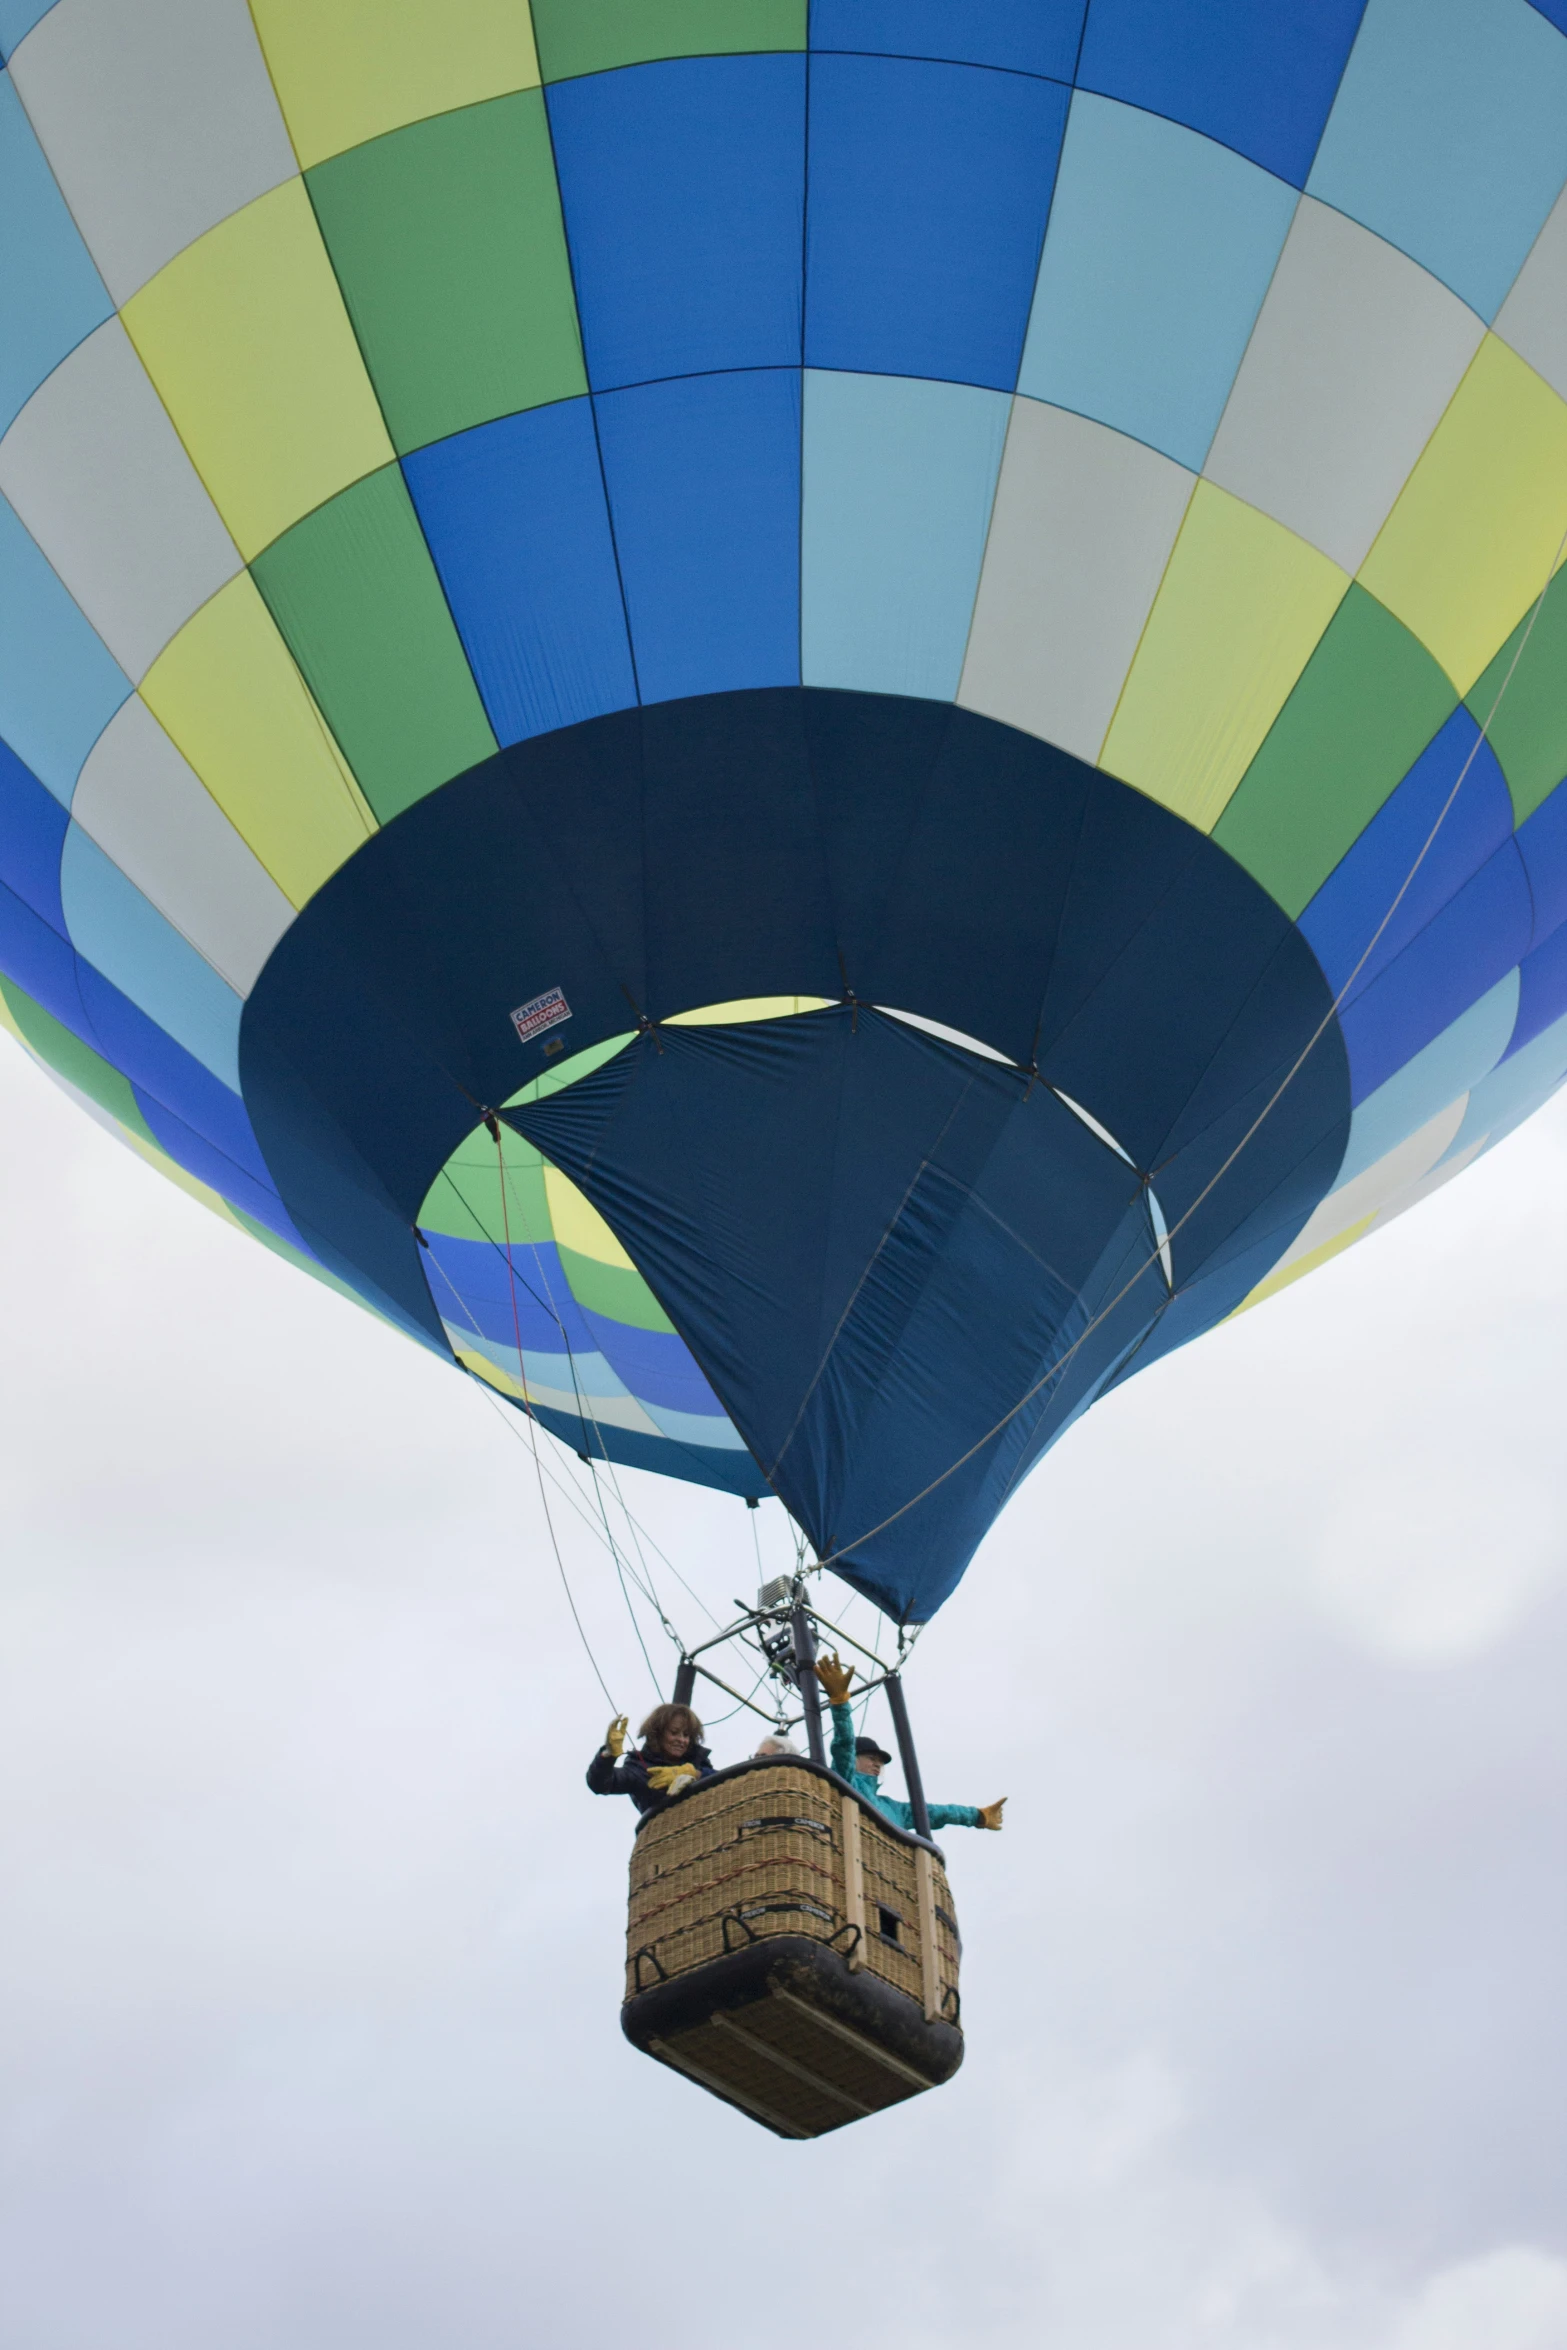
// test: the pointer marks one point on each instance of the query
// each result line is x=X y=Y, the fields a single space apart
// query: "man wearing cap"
x=861 y=1761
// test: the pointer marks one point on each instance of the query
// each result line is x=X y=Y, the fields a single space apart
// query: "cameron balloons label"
x=539 y=1013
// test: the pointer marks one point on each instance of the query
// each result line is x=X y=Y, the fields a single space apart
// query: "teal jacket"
x=942 y=1815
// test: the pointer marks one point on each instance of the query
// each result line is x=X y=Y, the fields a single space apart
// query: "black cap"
x=869 y=1746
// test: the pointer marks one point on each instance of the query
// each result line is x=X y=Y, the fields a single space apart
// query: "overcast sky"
x=310 y=1963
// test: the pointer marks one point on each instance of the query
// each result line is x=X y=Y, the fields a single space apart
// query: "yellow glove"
x=615 y=1736
x=834 y=1676
x=669 y=1777
x=990 y=1813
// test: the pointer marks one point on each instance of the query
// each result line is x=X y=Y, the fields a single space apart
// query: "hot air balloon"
x=801 y=726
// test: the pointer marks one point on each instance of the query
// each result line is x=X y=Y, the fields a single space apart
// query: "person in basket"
x=670 y=1759
x=861 y=1761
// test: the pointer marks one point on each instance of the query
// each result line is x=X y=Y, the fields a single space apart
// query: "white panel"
x=98 y=474
x=1428 y=1184
x=1081 y=530
x=1369 y=1192
x=159 y=119
x=149 y=812
x=1354 y=356
x=1533 y=319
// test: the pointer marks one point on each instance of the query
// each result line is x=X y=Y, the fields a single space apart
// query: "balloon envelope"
x=802 y=727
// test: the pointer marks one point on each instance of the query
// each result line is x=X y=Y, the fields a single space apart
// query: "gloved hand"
x=615 y=1736
x=990 y=1813
x=834 y=1676
x=668 y=1777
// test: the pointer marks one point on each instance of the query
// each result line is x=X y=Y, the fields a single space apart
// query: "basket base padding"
x=790 y=2035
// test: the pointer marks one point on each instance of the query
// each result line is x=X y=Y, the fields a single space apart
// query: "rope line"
x=842 y=1550
x=534 y=1434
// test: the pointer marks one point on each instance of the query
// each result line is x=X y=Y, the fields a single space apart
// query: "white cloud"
x=1513 y=2299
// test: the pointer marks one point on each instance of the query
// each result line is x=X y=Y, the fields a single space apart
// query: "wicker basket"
x=791 y=1950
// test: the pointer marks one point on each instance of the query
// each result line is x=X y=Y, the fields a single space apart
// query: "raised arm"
x=835 y=1677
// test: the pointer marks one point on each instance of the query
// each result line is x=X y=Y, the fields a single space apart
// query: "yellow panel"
x=1469 y=545
x=482 y=1367
x=753 y=1007
x=577 y=1223
x=227 y=692
x=1240 y=610
x=347 y=70
x=1299 y=1266
x=247 y=340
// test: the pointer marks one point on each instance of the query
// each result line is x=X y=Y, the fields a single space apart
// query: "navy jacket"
x=628 y=1776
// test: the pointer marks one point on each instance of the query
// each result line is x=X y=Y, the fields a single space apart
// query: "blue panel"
x=532 y=1296
x=704 y=490
x=163 y=1073
x=1343 y=918
x=197 y=1156
x=1451 y=1064
x=50 y=293
x=1542 y=843
x=1259 y=78
x=17 y=18
x=1449 y=137
x=655 y=1365
x=1456 y=959
x=40 y=960
x=928 y=1265
x=516 y=520
x=59 y=684
x=683 y=186
x=930 y=188
x=1023 y=36
x=32 y=832
x=1160 y=250
x=113 y=927
x=1554 y=12
x=899 y=481
x=1542 y=989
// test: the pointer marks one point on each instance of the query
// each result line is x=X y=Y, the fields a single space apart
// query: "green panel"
x=613 y=1291
x=590 y=36
x=464 y=1201
x=354 y=591
x=564 y=1073
x=76 y=1062
x=447 y=241
x=1529 y=731
x=1363 y=709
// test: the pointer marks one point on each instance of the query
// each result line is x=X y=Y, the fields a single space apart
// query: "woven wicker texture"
x=763 y=1854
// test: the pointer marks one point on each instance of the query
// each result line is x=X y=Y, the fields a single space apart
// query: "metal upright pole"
x=806 y=1682
x=685 y=1682
x=906 y=1754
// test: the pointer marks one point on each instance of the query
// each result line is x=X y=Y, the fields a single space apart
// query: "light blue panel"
x=17 y=18
x=120 y=934
x=50 y=293
x=1160 y=249
x=1449 y=136
x=1515 y=1090
x=1451 y=1064
x=898 y=482
x=593 y=1376
x=699 y=1428
x=59 y=684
